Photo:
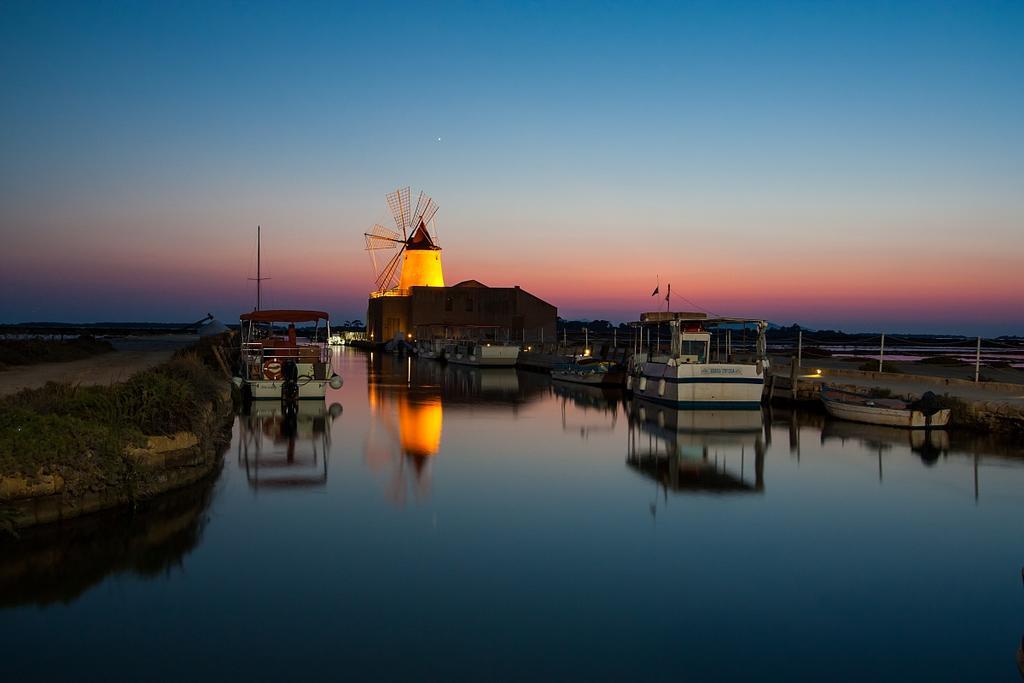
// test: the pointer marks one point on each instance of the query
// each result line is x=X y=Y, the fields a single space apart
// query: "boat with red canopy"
x=272 y=349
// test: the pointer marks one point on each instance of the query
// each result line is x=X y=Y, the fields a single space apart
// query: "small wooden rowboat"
x=592 y=371
x=921 y=414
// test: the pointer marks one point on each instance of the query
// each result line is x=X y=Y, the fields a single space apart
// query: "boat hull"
x=486 y=356
x=594 y=379
x=890 y=417
x=699 y=386
x=271 y=389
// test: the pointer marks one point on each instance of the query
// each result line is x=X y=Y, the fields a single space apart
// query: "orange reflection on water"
x=419 y=426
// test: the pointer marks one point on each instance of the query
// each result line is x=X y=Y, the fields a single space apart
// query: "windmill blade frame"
x=398 y=203
x=380 y=237
x=425 y=210
x=387 y=277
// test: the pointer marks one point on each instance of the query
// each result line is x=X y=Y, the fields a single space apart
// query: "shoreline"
x=130 y=356
x=74 y=450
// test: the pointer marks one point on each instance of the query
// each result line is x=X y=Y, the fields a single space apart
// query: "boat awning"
x=656 y=317
x=285 y=316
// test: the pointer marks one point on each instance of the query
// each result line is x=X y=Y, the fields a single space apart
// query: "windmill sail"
x=398 y=202
x=425 y=210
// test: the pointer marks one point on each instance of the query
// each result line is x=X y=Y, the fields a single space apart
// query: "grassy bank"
x=84 y=436
x=38 y=350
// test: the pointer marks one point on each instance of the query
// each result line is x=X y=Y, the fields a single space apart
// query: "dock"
x=996 y=406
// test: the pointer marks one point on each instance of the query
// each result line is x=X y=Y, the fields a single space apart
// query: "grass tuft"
x=83 y=432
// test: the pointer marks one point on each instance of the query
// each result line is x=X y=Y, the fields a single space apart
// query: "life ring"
x=272 y=369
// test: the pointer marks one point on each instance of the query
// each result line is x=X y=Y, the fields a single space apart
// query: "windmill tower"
x=417 y=258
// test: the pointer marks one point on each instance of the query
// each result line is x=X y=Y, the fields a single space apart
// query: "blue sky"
x=769 y=144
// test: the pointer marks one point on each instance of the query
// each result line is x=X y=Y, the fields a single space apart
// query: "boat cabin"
x=694 y=338
x=270 y=341
x=691 y=347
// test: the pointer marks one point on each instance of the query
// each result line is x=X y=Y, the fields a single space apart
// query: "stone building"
x=466 y=310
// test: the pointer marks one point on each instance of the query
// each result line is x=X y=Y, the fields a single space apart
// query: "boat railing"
x=258 y=352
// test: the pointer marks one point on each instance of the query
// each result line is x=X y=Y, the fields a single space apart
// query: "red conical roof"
x=420 y=239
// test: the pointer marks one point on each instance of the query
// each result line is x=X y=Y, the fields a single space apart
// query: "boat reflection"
x=604 y=402
x=279 y=450
x=929 y=444
x=696 y=450
x=58 y=563
x=408 y=398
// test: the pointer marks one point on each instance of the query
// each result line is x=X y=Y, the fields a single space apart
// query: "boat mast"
x=259 y=275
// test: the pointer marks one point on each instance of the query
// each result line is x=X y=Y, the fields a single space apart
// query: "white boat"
x=336 y=340
x=690 y=373
x=892 y=412
x=592 y=371
x=483 y=354
x=270 y=345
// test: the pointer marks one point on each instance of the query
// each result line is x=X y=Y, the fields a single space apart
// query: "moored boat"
x=433 y=349
x=893 y=412
x=690 y=373
x=483 y=354
x=592 y=371
x=273 y=355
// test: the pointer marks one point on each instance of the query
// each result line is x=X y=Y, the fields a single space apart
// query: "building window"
x=469 y=304
x=447 y=303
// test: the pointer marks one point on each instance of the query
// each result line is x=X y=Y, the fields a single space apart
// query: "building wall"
x=386 y=316
x=465 y=311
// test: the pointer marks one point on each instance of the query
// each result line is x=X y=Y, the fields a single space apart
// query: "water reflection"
x=279 y=450
x=539 y=513
x=600 y=407
x=697 y=450
x=928 y=444
x=58 y=563
x=408 y=399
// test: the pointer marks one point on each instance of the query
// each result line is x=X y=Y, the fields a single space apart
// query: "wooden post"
x=794 y=377
x=977 y=362
x=220 y=361
x=881 y=353
x=800 y=348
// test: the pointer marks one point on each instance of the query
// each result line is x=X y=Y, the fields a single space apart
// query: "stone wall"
x=164 y=464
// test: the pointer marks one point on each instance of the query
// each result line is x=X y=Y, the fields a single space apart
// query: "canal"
x=444 y=523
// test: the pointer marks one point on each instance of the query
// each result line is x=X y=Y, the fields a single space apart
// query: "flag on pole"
x=656 y=289
x=668 y=296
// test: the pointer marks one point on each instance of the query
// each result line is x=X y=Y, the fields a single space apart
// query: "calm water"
x=447 y=523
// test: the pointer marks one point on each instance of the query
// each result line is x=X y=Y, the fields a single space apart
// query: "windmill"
x=417 y=258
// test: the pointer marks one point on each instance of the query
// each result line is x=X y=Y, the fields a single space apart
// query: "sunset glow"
x=855 y=168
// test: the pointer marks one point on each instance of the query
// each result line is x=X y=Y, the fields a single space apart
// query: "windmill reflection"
x=280 y=450
x=697 y=450
x=408 y=398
